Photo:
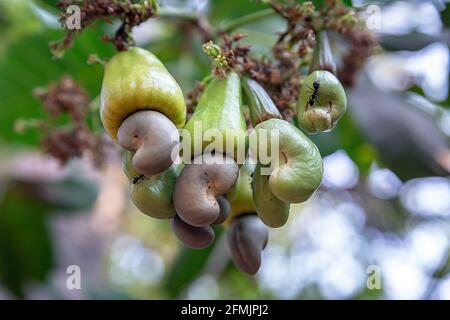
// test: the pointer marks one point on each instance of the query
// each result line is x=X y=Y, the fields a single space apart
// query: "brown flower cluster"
x=361 y=45
x=129 y=12
x=75 y=139
x=66 y=96
x=193 y=95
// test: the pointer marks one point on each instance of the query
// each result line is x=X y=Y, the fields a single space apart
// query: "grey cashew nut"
x=198 y=186
x=194 y=237
x=247 y=238
x=225 y=209
x=153 y=137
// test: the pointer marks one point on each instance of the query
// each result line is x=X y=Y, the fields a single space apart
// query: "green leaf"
x=225 y=9
x=348 y=3
x=25 y=248
x=445 y=16
x=317 y=3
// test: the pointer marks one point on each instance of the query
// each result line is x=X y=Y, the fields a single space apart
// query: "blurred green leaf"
x=27 y=63
x=348 y=3
x=445 y=16
x=225 y=9
x=25 y=248
x=25 y=245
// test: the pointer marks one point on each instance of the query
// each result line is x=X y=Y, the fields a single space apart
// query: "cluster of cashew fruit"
x=143 y=108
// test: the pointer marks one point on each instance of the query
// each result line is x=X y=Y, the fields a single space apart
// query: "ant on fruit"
x=138 y=179
x=315 y=95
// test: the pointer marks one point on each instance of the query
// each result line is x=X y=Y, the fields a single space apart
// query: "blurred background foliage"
x=385 y=198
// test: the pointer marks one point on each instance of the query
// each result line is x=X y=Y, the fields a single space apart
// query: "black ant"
x=314 y=95
x=138 y=179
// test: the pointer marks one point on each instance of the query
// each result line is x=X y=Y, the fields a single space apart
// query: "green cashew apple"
x=260 y=104
x=322 y=102
x=240 y=197
x=323 y=56
x=219 y=113
x=217 y=132
x=296 y=163
x=151 y=195
x=127 y=166
x=272 y=211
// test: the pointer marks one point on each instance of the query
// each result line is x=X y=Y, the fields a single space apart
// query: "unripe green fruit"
x=153 y=195
x=322 y=102
x=260 y=104
x=219 y=110
x=127 y=166
x=240 y=197
x=272 y=211
x=299 y=170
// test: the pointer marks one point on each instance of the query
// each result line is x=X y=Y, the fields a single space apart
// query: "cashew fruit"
x=297 y=168
x=193 y=237
x=323 y=56
x=247 y=237
x=137 y=80
x=198 y=186
x=151 y=195
x=153 y=138
x=322 y=102
x=272 y=211
x=220 y=113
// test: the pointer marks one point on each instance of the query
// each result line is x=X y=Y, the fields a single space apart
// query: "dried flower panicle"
x=129 y=12
x=66 y=96
x=65 y=144
x=193 y=95
x=75 y=139
x=362 y=44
